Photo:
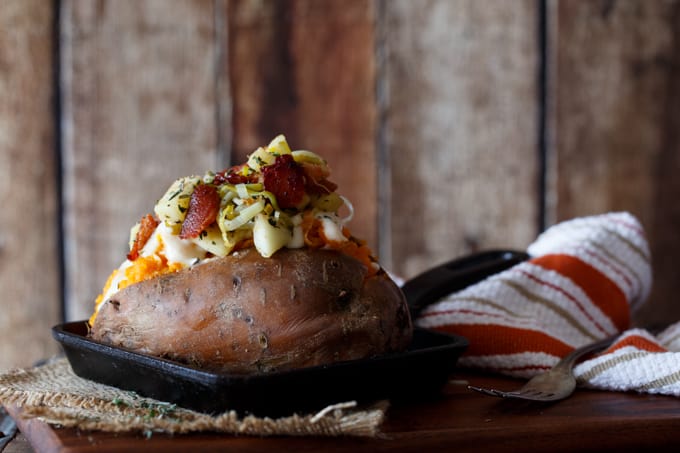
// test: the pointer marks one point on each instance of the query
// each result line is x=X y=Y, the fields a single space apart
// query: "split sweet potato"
x=244 y=313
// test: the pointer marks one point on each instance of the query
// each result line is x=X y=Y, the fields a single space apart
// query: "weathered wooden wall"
x=461 y=128
x=138 y=109
x=615 y=119
x=434 y=115
x=29 y=251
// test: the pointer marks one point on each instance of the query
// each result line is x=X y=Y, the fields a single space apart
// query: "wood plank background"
x=452 y=125
x=29 y=258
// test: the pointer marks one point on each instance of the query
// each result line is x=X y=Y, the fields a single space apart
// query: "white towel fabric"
x=584 y=279
x=638 y=361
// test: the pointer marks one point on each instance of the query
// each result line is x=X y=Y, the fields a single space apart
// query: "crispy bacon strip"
x=234 y=175
x=203 y=209
x=146 y=228
x=285 y=178
x=315 y=180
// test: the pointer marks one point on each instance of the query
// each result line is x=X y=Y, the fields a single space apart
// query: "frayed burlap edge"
x=54 y=394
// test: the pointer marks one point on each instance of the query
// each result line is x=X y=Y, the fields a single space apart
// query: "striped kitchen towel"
x=584 y=279
x=637 y=361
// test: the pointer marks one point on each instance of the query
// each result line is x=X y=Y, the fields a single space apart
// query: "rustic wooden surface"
x=29 y=257
x=460 y=421
x=429 y=112
x=615 y=120
x=19 y=445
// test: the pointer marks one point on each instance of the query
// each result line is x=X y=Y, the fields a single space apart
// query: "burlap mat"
x=54 y=394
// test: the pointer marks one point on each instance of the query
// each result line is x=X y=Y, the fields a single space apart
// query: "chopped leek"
x=211 y=240
x=278 y=146
x=308 y=157
x=331 y=202
x=248 y=211
x=244 y=216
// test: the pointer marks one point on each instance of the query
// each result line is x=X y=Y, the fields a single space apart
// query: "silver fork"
x=555 y=384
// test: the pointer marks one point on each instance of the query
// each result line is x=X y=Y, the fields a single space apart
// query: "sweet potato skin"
x=247 y=314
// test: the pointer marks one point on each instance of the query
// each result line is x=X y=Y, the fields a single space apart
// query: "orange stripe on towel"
x=603 y=292
x=495 y=339
x=637 y=342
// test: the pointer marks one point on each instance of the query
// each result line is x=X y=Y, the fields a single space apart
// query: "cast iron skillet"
x=420 y=371
x=435 y=283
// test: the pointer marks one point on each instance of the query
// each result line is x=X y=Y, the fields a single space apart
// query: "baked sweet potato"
x=244 y=313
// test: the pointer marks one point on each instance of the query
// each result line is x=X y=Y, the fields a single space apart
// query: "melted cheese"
x=164 y=252
x=332 y=226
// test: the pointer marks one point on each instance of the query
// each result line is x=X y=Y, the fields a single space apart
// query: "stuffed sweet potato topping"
x=252 y=269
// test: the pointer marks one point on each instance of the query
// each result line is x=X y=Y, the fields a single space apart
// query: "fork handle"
x=570 y=359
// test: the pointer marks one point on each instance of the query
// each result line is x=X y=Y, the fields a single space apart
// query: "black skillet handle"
x=455 y=275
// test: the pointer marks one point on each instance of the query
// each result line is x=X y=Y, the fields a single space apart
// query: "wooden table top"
x=459 y=420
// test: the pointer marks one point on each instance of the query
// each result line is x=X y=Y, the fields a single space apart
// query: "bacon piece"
x=234 y=175
x=286 y=180
x=321 y=187
x=315 y=180
x=146 y=228
x=203 y=209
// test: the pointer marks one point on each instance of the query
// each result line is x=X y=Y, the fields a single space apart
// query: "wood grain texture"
x=19 y=444
x=29 y=257
x=306 y=69
x=461 y=119
x=614 y=121
x=138 y=81
x=461 y=421
x=427 y=112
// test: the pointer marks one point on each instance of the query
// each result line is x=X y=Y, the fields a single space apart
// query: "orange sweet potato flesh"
x=248 y=314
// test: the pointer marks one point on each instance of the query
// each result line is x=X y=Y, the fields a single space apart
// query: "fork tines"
x=524 y=393
x=490 y=392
